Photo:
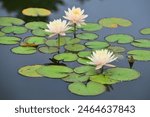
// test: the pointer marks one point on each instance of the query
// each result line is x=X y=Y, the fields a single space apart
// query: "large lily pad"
x=87 y=36
x=91 y=89
x=54 y=71
x=34 y=12
x=35 y=40
x=23 y=50
x=120 y=38
x=2 y=34
x=66 y=57
x=10 y=21
x=40 y=32
x=116 y=49
x=97 y=44
x=122 y=74
x=145 y=31
x=48 y=50
x=30 y=71
x=141 y=55
x=75 y=47
x=9 y=40
x=36 y=25
x=91 y=27
x=114 y=22
x=141 y=43
x=84 y=54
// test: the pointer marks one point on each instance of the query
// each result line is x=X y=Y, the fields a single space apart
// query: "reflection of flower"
x=57 y=27
x=75 y=16
x=101 y=58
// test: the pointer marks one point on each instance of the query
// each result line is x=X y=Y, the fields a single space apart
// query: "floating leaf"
x=141 y=55
x=145 y=31
x=23 y=50
x=40 y=32
x=75 y=47
x=92 y=88
x=141 y=43
x=10 y=21
x=103 y=79
x=91 y=27
x=35 y=40
x=9 y=40
x=96 y=45
x=87 y=36
x=83 y=61
x=36 y=25
x=30 y=71
x=116 y=49
x=2 y=34
x=120 y=38
x=54 y=71
x=48 y=50
x=72 y=41
x=114 y=22
x=66 y=57
x=83 y=54
x=34 y=12
x=122 y=74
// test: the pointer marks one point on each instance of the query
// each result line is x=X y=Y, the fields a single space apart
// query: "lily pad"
x=114 y=22
x=75 y=47
x=83 y=61
x=10 y=21
x=23 y=50
x=97 y=44
x=141 y=43
x=145 y=31
x=120 y=38
x=72 y=41
x=66 y=57
x=116 y=49
x=73 y=77
x=48 y=50
x=141 y=55
x=30 y=71
x=34 y=12
x=87 y=36
x=14 y=29
x=91 y=89
x=40 y=32
x=103 y=79
x=9 y=40
x=84 y=54
x=35 y=40
x=91 y=27
x=122 y=74
x=54 y=71
x=36 y=25
x=2 y=34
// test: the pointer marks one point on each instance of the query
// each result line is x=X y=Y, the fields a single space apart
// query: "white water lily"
x=75 y=16
x=101 y=58
x=57 y=27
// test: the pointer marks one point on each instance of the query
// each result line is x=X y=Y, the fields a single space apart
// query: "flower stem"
x=102 y=70
x=75 y=29
x=58 y=41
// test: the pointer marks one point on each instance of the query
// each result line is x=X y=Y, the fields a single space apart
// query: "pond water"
x=15 y=86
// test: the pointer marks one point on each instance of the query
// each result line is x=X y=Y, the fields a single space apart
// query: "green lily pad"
x=34 y=12
x=30 y=71
x=103 y=79
x=75 y=47
x=116 y=49
x=91 y=27
x=114 y=22
x=97 y=44
x=10 y=21
x=72 y=41
x=87 y=36
x=84 y=54
x=83 y=61
x=40 y=32
x=66 y=57
x=36 y=25
x=141 y=55
x=73 y=77
x=54 y=71
x=23 y=50
x=90 y=89
x=48 y=50
x=35 y=40
x=145 y=31
x=141 y=43
x=122 y=74
x=2 y=34
x=14 y=29
x=120 y=38
x=9 y=40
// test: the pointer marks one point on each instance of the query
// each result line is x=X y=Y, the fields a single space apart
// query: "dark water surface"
x=15 y=86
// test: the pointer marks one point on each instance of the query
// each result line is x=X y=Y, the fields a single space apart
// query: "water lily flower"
x=101 y=58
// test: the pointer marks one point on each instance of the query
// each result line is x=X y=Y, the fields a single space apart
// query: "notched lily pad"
x=75 y=47
x=9 y=40
x=97 y=44
x=87 y=36
x=36 y=25
x=48 y=50
x=145 y=31
x=141 y=43
x=91 y=27
x=35 y=40
x=90 y=89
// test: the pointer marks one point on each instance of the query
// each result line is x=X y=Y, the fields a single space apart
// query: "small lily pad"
x=91 y=27
x=114 y=22
x=30 y=71
x=34 y=12
x=90 y=89
x=2 y=34
x=116 y=49
x=84 y=54
x=36 y=25
x=66 y=57
x=23 y=50
x=141 y=43
x=75 y=47
x=145 y=31
x=120 y=38
x=122 y=74
x=54 y=71
x=10 y=21
x=87 y=36
x=72 y=41
x=35 y=40
x=83 y=61
x=40 y=32
x=97 y=44
x=141 y=55
x=9 y=40
x=48 y=50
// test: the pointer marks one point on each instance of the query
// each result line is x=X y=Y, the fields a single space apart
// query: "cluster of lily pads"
x=83 y=79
